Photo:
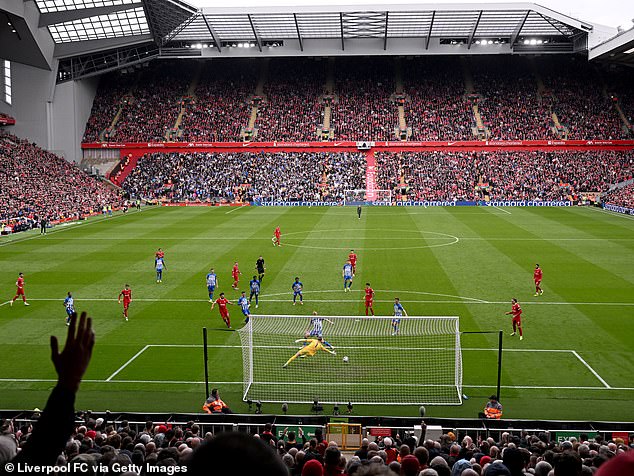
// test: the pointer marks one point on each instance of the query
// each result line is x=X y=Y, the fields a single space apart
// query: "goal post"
x=422 y=364
x=360 y=196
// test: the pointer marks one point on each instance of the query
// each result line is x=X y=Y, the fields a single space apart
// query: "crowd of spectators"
x=220 y=107
x=501 y=175
x=364 y=110
x=153 y=107
x=161 y=447
x=436 y=108
x=291 y=110
x=246 y=176
x=5 y=116
x=509 y=104
x=36 y=184
x=580 y=101
x=622 y=197
x=619 y=83
x=112 y=90
x=365 y=101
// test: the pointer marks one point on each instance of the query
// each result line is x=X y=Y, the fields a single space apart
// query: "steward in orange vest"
x=214 y=404
x=493 y=408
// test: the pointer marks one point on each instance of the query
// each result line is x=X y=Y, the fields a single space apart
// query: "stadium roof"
x=117 y=33
x=70 y=21
x=619 y=49
x=500 y=20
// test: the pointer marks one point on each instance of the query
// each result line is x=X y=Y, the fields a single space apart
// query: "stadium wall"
x=138 y=149
x=53 y=116
x=71 y=107
x=31 y=91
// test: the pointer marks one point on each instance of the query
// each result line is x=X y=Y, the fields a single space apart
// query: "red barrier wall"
x=137 y=149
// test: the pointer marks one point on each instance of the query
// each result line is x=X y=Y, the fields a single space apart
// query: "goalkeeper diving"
x=310 y=349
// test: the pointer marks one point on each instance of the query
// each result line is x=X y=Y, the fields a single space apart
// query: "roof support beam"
x=431 y=26
x=553 y=25
x=79 y=13
x=299 y=34
x=213 y=34
x=181 y=27
x=75 y=48
x=385 y=35
x=257 y=38
x=343 y=46
x=473 y=31
x=518 y=30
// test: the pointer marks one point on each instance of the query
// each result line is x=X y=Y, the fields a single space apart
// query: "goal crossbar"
x=416 y=360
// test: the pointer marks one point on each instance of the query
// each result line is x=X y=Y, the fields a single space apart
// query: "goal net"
x=422 y=364
x=361 y=196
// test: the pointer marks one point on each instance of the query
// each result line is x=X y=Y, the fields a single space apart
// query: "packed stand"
x=35 y=184
x=622 y=197
x=620 y=91
x=291 y=110
x=579 y=100
x=5 y=118
x=155 y=103
x=246 y=176
x=436 y=108
x=220 y=107
x=107 y=446
x=364 y=108
x=509 y=106
x=501 y=175
x=113 y=88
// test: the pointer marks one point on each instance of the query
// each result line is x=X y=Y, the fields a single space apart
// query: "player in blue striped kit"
x=69 y=304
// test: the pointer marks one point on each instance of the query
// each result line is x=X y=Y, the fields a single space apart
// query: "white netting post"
x=420 y=365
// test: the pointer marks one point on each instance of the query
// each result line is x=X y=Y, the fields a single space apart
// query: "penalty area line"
x=127 y=363
x=594 y=372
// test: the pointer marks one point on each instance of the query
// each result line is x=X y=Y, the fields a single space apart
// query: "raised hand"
x=72 y=362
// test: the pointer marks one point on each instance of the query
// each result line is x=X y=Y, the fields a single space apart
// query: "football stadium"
x=381 y=239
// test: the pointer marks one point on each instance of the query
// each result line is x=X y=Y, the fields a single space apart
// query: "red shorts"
x=20 y=292
x=224 y=313
x=236 y=277
x=126 y=304
x=538 y=282
x=518 y=321
x=368 y=303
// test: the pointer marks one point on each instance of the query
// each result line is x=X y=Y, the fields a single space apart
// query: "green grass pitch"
x=576 y=361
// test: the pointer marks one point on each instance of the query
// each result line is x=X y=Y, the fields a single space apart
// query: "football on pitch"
x=346 y=359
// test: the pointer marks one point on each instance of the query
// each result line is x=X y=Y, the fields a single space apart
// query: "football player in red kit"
x=537 y=276
x=222 y=307
x=353 y=261
x=516 y=310
x=126 y=294
x=276 y=238
x=235 y=274
x=369 y=299
x=19 y=284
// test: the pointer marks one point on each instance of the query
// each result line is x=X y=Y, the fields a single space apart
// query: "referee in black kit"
x=359 y=211
x=259 y=265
